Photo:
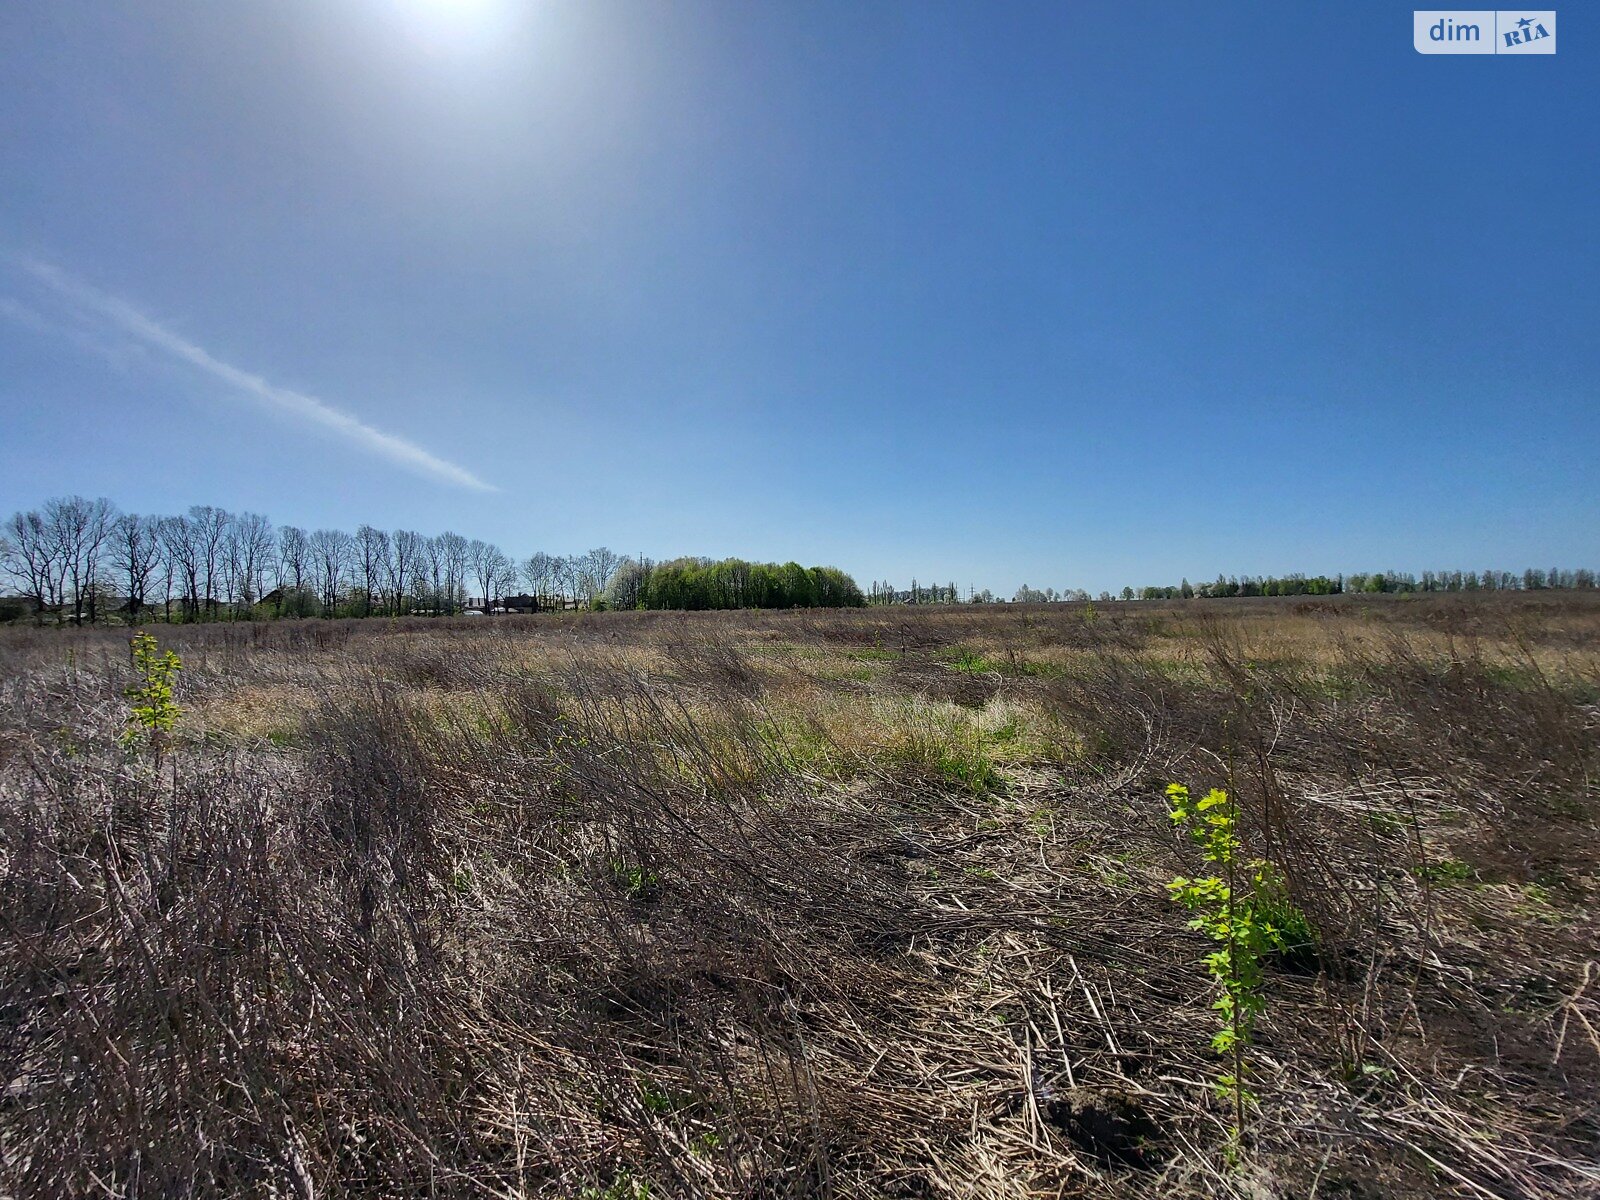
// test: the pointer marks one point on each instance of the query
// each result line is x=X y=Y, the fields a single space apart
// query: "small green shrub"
x=636 y=882
x=623 y=1187
x=657 y=1101
x=152 y=712
x=1244 y=908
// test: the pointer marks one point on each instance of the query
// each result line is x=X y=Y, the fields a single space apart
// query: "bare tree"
x=434 y=567
x=230 y=567
x=537 y=576
x=101 y=515
x=210 y=530
x=252 y=542
x=407 y=559
x=594 y=571
x=490 y=569
x=503 y=575
x=453 y=551
x=181 y=550
x=30 y=555
x=135 y=554
x=294 y=560
x=332 y=550
x=429 y=576
x=77 y=529
x=372 y=556
x=564 y=575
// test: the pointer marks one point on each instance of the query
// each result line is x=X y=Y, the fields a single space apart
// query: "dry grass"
x=839 y=904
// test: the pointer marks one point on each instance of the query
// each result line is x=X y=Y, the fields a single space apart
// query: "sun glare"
x=454 y=25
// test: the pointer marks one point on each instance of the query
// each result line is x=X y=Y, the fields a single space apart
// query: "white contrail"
x=285 y=400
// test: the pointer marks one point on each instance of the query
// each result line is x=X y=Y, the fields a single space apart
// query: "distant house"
x=504 y=604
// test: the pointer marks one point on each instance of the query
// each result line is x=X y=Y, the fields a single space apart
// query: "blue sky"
x=1064 y=294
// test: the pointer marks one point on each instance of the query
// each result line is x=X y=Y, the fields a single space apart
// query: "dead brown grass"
x=849 y=903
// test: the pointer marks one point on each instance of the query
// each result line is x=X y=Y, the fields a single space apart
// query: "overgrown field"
x=853 y=903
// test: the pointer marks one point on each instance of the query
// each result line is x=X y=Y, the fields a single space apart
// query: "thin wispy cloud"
x=281 y=400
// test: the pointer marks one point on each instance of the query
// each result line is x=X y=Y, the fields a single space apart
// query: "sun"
x=453 y=24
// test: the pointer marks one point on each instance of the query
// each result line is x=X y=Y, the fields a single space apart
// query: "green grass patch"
x=797 y=744
x=1447 y=870
x=969 y=768
x=971 y=662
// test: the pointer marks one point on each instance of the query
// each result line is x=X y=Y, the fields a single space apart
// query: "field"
x=863 y=903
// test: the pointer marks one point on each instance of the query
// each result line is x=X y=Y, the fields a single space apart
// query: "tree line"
x=703 y=583
x=76 y=560
x=80 y=560
x=947 y=593
x=918 y=593
x=1378 y=582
